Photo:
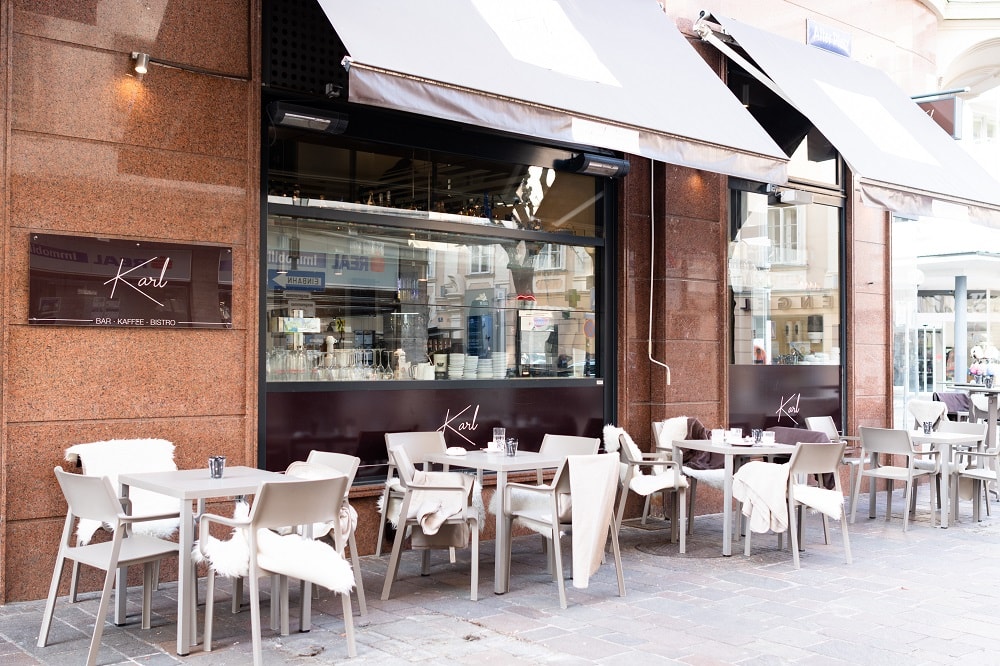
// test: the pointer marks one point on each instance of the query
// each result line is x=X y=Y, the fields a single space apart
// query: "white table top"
x=192 y=484
x=978 y=388
x=734 y=449
x=944 y=437
x=498 y=462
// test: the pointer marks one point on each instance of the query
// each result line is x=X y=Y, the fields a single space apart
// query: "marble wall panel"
x=211 y=34
x=869 y=319
x=868 y=268
x=64 y=185
x=868 y=224
x=692 y=309
x=68 y=373
x=869 y=371
x=169 y=109
x=694 y=249
x=33 y=449
x=694 y=194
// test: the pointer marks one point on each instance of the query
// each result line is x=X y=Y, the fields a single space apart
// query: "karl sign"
x=82 y=281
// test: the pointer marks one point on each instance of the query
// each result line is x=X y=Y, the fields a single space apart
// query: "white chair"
x=438 y=510
x=877 y=442
x=979 y=465
x=646 y=474
x=93 y=498
x=561 y=445
x=580 y=502
x=421 y=444
x=827 y=426
x=568 y=445
x=927 y=411
x=124 y=456
x=288 y=504
x=807 y=460
x=664 y=433
x=348 y=466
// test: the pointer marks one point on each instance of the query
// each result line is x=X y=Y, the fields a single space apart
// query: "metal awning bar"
x=902 y=159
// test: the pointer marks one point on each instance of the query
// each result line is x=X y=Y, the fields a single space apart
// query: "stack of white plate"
x=471 y=366
x=485 y=370
x=456 y=366
x=499 y=365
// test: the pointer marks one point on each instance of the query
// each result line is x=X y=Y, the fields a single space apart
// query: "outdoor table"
x=187 y=486
x=500 y=463
x=733 y=453
x=991 y=394
x=944 y=442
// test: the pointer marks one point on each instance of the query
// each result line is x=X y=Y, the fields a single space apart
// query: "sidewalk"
x=929 y=596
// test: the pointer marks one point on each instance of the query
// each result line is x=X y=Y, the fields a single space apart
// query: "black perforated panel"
x=302 y=52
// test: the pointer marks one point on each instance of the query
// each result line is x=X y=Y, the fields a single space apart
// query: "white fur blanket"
x=230 y=557
x=120 y=456
x=431 y=508
x=396 y=503
x=828 y=502
x=305 y=559
x=762 y=488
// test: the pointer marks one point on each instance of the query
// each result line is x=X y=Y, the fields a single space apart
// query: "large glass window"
x=784 y=267
x=399 y=264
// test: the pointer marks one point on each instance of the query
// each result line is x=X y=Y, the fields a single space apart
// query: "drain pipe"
x=652 y=265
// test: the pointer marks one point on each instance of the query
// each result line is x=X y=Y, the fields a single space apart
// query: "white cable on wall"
x=652 y=265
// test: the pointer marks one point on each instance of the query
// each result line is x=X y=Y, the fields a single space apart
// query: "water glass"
x=216 y=466
x=927 y=427
x=511 y=447
x=768 y=436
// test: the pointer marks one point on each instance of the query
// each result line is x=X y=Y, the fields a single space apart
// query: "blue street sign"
x=296 y=280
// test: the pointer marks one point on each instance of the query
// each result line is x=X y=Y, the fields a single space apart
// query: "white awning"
x=618 y=76
x=904 y=160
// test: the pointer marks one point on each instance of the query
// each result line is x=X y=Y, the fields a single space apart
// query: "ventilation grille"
x=302 y=53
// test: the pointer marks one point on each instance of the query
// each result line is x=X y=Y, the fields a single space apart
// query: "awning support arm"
x=706 y=33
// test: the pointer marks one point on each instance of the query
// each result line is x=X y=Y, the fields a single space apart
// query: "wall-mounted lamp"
x=290 y=115
x=596 y=165
x=142 y=61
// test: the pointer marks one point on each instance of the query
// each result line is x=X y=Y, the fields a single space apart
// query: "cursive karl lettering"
x=159 y=283
x=457 y=428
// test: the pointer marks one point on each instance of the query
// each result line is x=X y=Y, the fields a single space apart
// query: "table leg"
x=185 y=581
x=727 y=509
x=991 y=424
x=121 y=583
x=945 y=485
x=500 y=544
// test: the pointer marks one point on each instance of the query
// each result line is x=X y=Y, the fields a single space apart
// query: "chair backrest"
x=292 y=503
x=816 y=458
x=342 y=462
x=927 y=410
x=89 y=497
x=569 y=445
x=886 y=440
x=825 y=425
x=418 y=444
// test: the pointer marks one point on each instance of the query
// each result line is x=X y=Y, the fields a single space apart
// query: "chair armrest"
x=206 y=521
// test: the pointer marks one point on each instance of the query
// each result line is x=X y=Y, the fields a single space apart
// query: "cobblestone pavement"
x=929 y=596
